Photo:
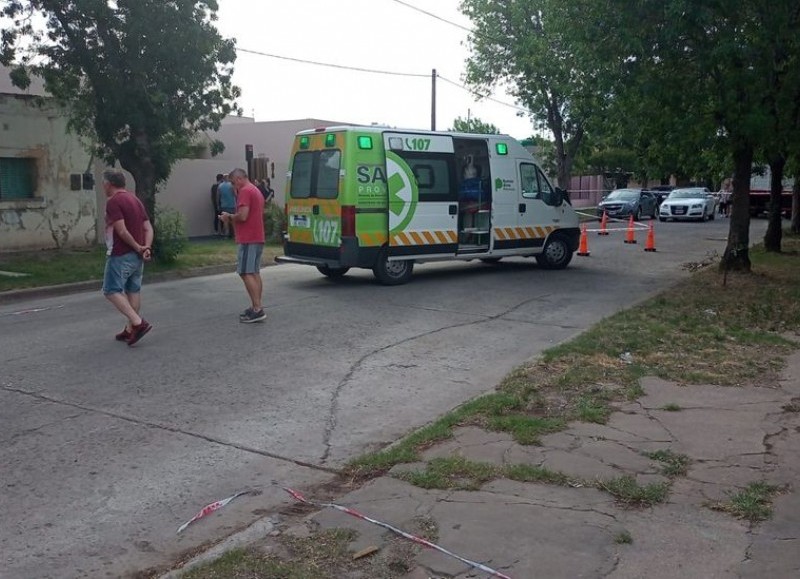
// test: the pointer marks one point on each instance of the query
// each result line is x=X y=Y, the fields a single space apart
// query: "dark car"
x=660 y=192
x=627 y=202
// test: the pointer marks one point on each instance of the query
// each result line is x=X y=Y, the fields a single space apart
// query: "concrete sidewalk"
x=733 y=436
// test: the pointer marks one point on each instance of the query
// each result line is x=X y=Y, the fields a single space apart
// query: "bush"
x=274 y=223
x=170 y=235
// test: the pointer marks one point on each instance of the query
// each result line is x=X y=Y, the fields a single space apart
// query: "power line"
x=376 y=71
x=332 y=65
x=432 y=15
x=488 y=98
x=450 y=22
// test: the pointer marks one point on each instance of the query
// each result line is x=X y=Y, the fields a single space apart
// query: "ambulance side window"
x=529 y=179
x=434 y=173
x=546 y=192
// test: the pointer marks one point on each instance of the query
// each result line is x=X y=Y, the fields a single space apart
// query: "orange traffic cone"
x=630 y=237
x=603 y=223
x=650 y=244
x=583 y=248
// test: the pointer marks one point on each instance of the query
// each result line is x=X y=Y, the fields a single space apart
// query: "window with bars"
x=17 y=178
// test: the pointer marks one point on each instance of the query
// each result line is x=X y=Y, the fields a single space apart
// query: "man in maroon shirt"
x=248 y=224
x=129 y=236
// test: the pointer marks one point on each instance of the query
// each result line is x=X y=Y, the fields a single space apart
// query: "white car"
x=688 y=203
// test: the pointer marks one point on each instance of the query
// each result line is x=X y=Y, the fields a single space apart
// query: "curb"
x=12 y=296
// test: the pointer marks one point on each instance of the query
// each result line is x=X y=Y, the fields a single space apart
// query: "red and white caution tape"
x=419 y=540
x=208 y=509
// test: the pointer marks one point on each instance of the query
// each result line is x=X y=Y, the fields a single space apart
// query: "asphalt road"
x=105 y=450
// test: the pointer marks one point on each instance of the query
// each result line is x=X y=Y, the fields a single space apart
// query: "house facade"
x=45 y=199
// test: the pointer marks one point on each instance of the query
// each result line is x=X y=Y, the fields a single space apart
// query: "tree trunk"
x=796 y=205
x=737 y=252
x=139 y=163
x=772 y=238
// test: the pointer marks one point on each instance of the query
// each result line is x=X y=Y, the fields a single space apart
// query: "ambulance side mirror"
x=563 y=196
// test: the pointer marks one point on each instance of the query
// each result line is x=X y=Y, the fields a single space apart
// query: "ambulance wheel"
x=332 y=272
x=556 y=254
x=491 y=260
x=392 y=272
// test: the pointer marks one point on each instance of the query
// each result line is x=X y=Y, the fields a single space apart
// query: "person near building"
x=129 y=237
x=227 y=202
x=215 y=204
x=248 y=224
x=725 y=198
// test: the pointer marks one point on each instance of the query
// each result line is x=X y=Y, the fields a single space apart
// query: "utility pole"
x=433 y=99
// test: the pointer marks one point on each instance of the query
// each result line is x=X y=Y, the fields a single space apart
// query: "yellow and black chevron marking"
x=510 y=233
x=372 y=239
x=411 y=238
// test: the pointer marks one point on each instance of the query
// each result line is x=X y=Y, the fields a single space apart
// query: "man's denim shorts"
x=123 y=274
x=249 y=258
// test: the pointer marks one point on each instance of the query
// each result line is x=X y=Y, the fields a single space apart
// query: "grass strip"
x=699 y=332
x=55 y=267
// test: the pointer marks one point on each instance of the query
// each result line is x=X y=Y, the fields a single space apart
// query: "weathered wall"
x=56 y=217
x=189 y=187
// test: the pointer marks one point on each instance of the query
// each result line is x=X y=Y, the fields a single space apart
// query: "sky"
x=384 y=35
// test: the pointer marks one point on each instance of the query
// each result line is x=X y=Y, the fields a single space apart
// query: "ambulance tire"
x=332 y=272
x=556 y=254
x=392 y=272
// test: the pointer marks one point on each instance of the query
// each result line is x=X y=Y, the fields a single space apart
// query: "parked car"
x=689 y=203
x=660 y=192
x=627 y=202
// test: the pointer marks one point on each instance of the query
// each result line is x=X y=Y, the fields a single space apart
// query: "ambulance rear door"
x=423 y=195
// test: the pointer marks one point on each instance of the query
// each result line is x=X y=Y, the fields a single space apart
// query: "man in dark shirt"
x=129 y=236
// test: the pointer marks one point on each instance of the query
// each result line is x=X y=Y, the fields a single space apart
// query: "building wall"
x=189 y=187
x=55 y=216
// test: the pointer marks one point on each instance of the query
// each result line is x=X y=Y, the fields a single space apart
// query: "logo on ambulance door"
x=403 y=192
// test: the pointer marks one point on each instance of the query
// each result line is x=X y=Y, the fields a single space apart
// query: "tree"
x=709 y=63
x=139 y=78
x=782 y=58
x=473 y=125
x=528 y=45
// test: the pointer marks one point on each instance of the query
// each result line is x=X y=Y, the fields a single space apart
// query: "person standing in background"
x=227 y=203
x=248 y=222
x=215 y=204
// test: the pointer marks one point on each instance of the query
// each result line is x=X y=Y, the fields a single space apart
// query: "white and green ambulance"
x=385 y=199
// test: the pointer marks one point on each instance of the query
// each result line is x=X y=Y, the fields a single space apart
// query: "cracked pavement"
x=733 y=436
x=106 y=450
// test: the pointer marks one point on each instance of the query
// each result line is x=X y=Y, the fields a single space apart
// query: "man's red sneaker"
x=123 y=335
x=138 y=332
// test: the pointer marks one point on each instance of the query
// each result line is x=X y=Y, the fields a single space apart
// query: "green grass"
x=631 y=494
x=671 y=407
x=246 y=564
x=531 y=473
x=672 y=336
x=54 y=267
x=672 y=464
x=753 y=504
x=623 y=538
x=321 y=556
x=452 y=473
x=525 y=429
x=461 y=474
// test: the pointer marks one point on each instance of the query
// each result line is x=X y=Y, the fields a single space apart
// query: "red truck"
x=760 y=192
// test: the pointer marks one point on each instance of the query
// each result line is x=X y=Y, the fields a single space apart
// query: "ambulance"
x=384 y=199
